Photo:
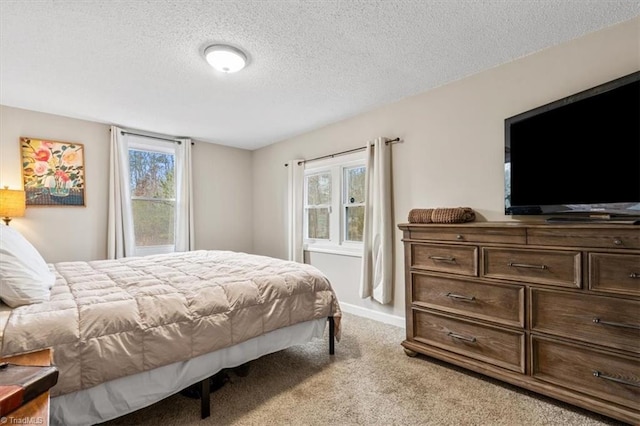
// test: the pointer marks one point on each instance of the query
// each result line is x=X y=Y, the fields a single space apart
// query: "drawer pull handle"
x=634 y=275
x=461 y=337
x=597 y=373
x=617 y=242
x=459 y=237
x=616 y=324
x=443 y=258
x=526 y=265
x=461 y=297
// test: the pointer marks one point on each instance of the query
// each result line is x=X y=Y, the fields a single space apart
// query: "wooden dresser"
x=554 y=308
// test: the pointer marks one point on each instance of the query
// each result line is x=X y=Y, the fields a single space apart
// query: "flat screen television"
x=578 y=155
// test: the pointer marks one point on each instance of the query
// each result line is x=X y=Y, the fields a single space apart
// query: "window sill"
x=334 y=250
x=151 y=250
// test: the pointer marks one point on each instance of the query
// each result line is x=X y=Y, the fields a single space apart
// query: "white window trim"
x=142 y=144
x=335 y=244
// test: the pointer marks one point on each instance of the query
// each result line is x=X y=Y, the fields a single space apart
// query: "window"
x=153 y=196
x=334 y=205
x=353 y=202
x=318 y=201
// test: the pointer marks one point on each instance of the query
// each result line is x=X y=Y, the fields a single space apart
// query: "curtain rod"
x=122 y=132
x=362 y=148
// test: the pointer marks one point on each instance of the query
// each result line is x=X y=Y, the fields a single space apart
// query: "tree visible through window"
x=318 y=203
x=354 y=202
x=153 y=197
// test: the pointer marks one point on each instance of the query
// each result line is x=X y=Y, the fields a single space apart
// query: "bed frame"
x=205 y=401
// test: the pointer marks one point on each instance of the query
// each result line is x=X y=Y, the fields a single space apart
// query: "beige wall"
x=222 y=194
x=222 y=190
x=60 y=233
x=452 y=154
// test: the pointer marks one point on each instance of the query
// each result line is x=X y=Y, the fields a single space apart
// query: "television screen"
x=578 y=154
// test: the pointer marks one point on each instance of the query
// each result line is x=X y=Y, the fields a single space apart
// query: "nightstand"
x=36 y=409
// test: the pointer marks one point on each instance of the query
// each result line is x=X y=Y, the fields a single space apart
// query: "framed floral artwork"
x=53 y=172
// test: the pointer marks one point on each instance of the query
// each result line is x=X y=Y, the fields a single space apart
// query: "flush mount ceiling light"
x=225 y=58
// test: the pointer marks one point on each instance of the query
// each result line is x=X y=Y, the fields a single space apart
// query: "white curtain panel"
x=120 y=236
x=295 y=205
x=184 y=235
x=377 y=264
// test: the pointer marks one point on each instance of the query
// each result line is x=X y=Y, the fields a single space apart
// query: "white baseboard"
x=374 y=315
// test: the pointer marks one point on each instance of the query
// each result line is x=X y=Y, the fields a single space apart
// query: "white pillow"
x=25 y=277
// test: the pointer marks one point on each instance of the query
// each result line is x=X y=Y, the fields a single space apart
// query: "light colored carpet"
x=370 y=381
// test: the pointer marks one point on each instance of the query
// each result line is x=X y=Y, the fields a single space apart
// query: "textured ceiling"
x=139 y=64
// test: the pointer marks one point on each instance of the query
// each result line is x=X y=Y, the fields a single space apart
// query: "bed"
x=127 y=333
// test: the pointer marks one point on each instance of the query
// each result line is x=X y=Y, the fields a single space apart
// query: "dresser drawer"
x=461 y=260
x=614 y=273
x=598 y=373
x=558 y=268
x=628 y=238
x=503 y=348
x=470 y=234
x=600 y=320
x=503 y=304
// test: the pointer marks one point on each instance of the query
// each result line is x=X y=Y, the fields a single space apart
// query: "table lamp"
x=12 y=203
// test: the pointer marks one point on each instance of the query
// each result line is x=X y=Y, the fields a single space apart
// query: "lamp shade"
x=12 y=203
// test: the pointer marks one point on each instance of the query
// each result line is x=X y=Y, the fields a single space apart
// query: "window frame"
x=135 y=143
x=337 y=243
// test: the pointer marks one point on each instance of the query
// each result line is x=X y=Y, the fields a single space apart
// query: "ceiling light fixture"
x=225 y=58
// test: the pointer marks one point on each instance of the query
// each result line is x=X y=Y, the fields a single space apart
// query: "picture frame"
x=53 y=172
